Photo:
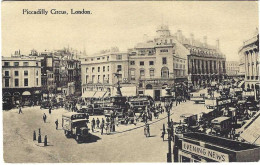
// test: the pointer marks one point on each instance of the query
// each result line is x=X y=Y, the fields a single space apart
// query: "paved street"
x=131 y=144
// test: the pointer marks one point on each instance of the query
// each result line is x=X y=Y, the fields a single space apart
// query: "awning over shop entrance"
x=107 y=94
x=26 y=93
x=88 y=94
x=241 y=84
x=99 y=94
x=7 y=94
x=37 y=92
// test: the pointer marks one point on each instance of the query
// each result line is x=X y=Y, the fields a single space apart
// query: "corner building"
x=206 y=63
x=98 y=73
x=158 y=63
x=21 y=79
x=250 y=50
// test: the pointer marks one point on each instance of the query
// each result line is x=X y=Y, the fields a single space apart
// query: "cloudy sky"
x=123 y=24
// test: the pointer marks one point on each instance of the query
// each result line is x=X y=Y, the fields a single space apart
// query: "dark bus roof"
x=219 y=141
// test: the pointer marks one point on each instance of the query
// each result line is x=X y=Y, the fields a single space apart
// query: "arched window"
x=149 y=86
x=165 y=72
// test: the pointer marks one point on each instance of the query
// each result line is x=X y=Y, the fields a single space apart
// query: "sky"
x=123 y=24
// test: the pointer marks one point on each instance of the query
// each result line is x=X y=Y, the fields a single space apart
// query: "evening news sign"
x=208 y=153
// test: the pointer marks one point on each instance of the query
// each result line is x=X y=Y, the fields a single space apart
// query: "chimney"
x=205 y=41
x=191 y=38
x=179 y=35
x=217 y=43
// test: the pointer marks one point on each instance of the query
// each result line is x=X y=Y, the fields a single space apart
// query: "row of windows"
x=99 y=58
x=119 y=68
x=142 y=73
x=16 y=82
x=164 y=73
x=98 y=78
x=118 y=57
x=98 y=68
x=16 y=73
x=179 y=60
x=178 y=66
x=141 y=63
x=18 y=64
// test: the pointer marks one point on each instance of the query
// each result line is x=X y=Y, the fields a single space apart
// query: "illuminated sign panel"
x=208 y=153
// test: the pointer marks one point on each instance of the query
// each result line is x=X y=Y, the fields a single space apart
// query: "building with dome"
x=166 y=60
x=158 y=63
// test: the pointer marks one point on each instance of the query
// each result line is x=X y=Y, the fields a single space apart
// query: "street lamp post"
x=169 y=154
x=167 y=100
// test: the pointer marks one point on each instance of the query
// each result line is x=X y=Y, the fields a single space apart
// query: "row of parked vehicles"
x=120 y=104
x=75 y=124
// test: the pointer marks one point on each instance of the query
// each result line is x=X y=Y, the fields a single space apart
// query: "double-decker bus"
x=140 y=102
x=116 y=105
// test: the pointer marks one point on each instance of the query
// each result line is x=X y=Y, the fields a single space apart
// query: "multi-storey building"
x=60 y=73
x=158 y=63
x=154 y=64
x=148 y=67
x=232 y=68
x=21 y=79
x=250 y=50
x=206 y=63
x=98 y=71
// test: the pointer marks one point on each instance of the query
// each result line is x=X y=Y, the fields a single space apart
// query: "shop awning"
x=88 y=94
x=99 y=94
x=241 y=84
x=37 y=92
x=26 y=93
x=7 y=94
x=107 y=94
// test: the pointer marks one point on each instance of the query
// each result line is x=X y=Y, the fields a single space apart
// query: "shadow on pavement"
x=152 y=136
x=91 y=139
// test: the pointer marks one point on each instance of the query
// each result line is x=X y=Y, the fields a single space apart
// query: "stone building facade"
x=250 y=50
x=21 y=79
x=232 y=68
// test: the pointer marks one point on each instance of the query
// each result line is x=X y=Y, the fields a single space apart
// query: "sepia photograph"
x=130 y=82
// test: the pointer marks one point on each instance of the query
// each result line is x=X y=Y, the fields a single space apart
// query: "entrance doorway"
x=157 y=95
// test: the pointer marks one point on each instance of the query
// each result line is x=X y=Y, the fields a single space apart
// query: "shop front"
x=197 y=147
